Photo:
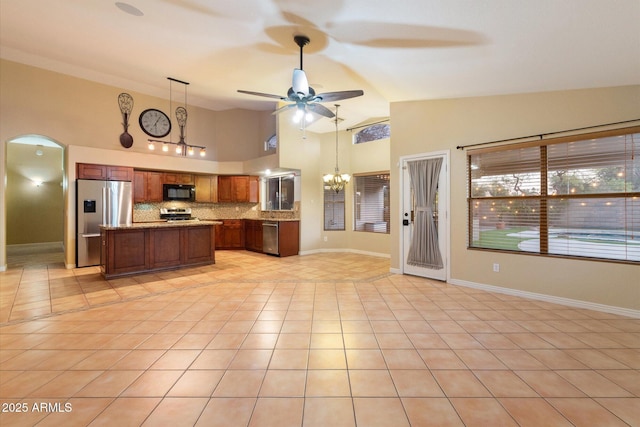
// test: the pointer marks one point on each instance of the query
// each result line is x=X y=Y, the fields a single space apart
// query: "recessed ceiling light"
x=127 y=8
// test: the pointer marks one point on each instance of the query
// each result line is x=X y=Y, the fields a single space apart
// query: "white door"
x=415 y=215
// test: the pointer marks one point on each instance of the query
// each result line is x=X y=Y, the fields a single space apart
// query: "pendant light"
x=336 y=181
x=182 y=148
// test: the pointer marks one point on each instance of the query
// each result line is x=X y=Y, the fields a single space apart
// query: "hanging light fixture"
x=182 y=148
x=336 y=181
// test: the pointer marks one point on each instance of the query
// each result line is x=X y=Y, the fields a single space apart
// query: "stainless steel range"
x=176 y=214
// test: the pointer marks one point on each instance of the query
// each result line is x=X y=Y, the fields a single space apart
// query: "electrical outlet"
x=325 y=238
x=496 y=268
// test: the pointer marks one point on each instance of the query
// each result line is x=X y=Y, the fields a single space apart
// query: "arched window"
x=373 y=133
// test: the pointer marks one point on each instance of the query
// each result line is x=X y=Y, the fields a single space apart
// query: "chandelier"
x=336 y=181
x=181 y=147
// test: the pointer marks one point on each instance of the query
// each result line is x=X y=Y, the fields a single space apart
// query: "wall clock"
x=155 y=123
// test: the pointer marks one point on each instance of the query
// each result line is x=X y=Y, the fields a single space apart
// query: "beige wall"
x=366 y=158
x=315 y=155
x=73 y=111
x=420 y=127
x=34 y=213
x=296 y=152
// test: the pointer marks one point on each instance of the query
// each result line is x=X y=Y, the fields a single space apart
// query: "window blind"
x=371 y=203
x=334 y=217
x=577 y=197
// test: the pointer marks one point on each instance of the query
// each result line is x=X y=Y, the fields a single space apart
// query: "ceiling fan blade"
x=321 y=109
x=337 y=96
x=284 y=108
x=300 y=83
x=266 y=95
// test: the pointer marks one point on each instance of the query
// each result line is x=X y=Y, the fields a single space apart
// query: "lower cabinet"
x=230 y=234
x=139 y=250
x=124 y=252
x=288 y=238
x=253 y=235
x=247 y=234
x=165 y=248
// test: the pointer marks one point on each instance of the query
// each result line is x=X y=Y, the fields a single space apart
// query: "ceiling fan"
x=302 y=96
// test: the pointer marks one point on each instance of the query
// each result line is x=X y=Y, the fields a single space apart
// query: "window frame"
x=385 y=203
x=546 y=200
x=356 y=135
x=325 y=203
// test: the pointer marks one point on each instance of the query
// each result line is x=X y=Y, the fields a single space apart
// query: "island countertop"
x=162 y=224
x=156 y=246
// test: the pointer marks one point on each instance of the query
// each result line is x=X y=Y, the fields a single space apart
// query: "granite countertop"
x=161 y=224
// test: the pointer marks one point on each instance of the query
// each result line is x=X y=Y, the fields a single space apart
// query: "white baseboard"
x=353 y=251
x=3 y=268
x=549 y=298
x=30 y=247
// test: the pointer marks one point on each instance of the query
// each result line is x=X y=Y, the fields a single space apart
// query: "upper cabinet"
x=206 y=188
x=238 y=189
x=147 y=186
x=209 y=188
x=104 y=172
x=177 y=178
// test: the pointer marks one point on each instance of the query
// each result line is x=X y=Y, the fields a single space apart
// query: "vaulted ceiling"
x=393 y=50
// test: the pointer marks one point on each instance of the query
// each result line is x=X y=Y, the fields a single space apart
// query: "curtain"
x=424 y=250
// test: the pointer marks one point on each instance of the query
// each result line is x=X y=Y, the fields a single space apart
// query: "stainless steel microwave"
x=181 y=192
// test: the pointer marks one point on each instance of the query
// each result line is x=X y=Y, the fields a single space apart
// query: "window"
x=576 y=196
x=371 y=203
x=372 y=133
x=333 y=209
x=271 y=143
x=280 y=193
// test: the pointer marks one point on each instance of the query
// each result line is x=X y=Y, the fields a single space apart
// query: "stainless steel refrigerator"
x=99 y=202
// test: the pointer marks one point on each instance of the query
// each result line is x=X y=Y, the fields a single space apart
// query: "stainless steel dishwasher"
x=270 y=237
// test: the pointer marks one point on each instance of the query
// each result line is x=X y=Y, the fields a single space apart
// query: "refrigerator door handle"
x=106 y=203
x=90 y=235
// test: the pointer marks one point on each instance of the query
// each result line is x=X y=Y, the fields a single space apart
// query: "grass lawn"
x=499 y=239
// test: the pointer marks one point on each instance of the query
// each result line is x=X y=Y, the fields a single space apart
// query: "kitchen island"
x=156 y=246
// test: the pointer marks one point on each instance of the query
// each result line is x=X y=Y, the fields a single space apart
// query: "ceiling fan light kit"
x=302 y=96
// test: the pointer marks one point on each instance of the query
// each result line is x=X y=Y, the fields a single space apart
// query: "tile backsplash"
x=145 y=212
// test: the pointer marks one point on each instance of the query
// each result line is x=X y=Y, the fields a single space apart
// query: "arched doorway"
x=34 y=200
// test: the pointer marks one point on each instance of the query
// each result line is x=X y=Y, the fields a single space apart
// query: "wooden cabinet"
x=147 y=186
x=124 y=252
x=87 y=171
x=288 y=238
x=254 y=189
x=177 y=178
x=206 y=188
x=226 y=189
x=253 y=235
x=238 y=189
x=198 y=245
x=119 y=173
x=104 y=172
x=138 y=250
x=230 y=234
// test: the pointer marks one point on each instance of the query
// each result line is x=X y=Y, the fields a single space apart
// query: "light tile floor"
x=318 y=340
